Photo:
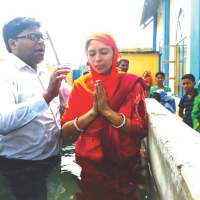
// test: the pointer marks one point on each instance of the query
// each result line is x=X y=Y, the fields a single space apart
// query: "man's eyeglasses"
x=32 y=36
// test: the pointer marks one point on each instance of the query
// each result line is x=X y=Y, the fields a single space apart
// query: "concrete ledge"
x=174 y=150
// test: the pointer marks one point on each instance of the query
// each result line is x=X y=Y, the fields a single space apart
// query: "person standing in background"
x=123 y=65
x=147 y=77
x=186 y=102
x=64 y=92
x=159 y=78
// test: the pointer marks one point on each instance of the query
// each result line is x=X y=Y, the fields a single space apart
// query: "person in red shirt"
x=107 y=108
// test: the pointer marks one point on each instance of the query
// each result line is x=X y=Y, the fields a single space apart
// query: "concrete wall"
x=174 y=154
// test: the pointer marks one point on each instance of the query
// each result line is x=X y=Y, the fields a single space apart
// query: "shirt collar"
x=18 y=63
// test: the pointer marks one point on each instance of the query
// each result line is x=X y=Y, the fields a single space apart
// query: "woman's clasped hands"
x=100 y=105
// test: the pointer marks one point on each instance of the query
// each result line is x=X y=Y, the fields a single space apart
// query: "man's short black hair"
x=123 y=60
x=16 y=26
x=160 y=73
x=189 y=76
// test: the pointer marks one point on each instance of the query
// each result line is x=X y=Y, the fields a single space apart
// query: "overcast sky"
x=69 y=22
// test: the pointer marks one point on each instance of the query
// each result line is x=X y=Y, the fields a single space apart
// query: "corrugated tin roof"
x=137 y=51
x=149 y=10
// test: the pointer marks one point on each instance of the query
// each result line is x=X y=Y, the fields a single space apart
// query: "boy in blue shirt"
x=186 y=102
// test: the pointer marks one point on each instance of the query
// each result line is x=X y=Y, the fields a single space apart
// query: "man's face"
x=30 y=49
x=160 y=79
x=187 y=84
x=123 y=66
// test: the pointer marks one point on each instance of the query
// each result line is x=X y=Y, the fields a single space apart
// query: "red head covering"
x=109 y=80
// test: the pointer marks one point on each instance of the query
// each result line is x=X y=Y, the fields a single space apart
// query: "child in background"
x=162 y=93
x=159 y=78
x=186 y=102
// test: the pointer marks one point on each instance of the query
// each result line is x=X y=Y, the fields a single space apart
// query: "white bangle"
x=123 y=121
x=76 y=126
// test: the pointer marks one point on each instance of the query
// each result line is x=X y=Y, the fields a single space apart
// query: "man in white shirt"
x=29 y=105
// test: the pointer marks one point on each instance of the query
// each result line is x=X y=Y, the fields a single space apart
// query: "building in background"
x=141 y=60
x=176 y=36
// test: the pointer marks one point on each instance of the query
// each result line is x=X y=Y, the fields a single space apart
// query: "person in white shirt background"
x=29 y=111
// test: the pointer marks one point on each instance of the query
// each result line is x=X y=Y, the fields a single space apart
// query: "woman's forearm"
x=82 y=122
x=117 y=119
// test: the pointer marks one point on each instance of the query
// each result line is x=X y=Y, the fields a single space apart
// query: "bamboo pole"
x=53 y=48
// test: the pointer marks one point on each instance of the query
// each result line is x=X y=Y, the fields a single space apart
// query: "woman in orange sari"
x=107 y=108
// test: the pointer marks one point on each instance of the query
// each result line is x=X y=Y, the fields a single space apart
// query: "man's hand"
x=54 y=84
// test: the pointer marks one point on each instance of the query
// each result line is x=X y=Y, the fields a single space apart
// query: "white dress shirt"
x=29 y=127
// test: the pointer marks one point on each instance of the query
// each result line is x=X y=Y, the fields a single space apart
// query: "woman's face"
x=100 y=56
